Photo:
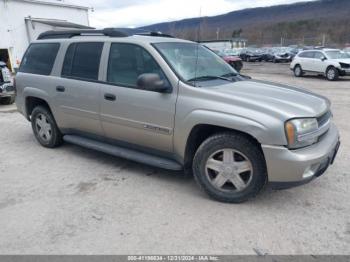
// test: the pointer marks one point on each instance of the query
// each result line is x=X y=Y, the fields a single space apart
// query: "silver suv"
x=176 y=105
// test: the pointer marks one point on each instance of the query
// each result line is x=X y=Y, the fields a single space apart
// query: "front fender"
x=262 y=133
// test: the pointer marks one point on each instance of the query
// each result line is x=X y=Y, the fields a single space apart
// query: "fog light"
x=311 y=170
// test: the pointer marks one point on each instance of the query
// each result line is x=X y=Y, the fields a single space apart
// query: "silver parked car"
x=174 y=104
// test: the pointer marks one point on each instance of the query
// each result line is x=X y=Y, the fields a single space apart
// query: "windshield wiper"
x=208 y=78
x=229 y=75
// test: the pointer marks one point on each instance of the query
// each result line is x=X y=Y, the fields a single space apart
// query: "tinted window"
x=127 y=62
x=82 y=60
x=318 y=55
x=39 y=58
x=307 y=54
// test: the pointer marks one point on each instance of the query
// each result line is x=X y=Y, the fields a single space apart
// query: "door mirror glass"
x=152 y=82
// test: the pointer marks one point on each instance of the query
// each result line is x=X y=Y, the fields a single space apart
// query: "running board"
x=123 y=152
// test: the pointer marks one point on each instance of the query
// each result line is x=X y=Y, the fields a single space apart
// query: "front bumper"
x=283 y=59
x=345 y=72
x=7 y=90
x=288 y=168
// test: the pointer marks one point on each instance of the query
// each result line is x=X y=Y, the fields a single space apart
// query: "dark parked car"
x=277 y=55
x=7 y=91
x=232 y=58
x=251 y=55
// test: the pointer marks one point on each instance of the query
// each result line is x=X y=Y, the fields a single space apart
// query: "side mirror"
x=323 y=58
x=152 y=82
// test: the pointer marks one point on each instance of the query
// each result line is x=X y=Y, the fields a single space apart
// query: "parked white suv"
x=332 y=63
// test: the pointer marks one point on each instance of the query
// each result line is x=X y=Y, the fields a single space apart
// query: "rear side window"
x=39 y=58
x=82 y=61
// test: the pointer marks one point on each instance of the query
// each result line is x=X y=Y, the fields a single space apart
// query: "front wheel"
x=332 y=74
x=45 y=128
x=230 y=168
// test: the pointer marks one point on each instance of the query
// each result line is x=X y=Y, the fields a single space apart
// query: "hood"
x=282 y=54
x=275 y=99
x=342 y=60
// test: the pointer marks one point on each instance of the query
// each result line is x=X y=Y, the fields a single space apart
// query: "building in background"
x=226 y=44
x=239 y=42
x=21 y=21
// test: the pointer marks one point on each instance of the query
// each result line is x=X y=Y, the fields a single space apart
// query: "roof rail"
x=111 y=32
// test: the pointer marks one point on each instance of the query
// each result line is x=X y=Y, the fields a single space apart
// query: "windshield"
x=183 y=59
x=336 y=55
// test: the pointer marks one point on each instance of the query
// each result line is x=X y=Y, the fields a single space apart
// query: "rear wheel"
x=45 y=128
x=332 y=74
x=298 y=71
x=230 y=168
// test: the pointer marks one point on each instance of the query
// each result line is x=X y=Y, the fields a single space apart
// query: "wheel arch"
x=199 y=133
x=33 y=97
x=31 y=102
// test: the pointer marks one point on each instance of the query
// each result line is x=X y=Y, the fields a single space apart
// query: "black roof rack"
x=111 y=32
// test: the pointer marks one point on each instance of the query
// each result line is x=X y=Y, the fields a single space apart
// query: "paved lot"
x=77 y=201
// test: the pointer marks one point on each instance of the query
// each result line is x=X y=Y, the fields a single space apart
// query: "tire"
x=42 y=119
x=298 y=71
x=217 y=182
x=332 y=74
x=7 y=100
x=237 y=66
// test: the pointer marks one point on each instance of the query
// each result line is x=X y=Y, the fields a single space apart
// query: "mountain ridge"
x=294 y=19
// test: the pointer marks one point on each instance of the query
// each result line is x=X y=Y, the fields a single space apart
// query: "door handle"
x=110 y=97
x=60 y=89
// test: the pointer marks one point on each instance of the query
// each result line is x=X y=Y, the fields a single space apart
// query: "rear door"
x=132 y=115
x=77 y=91
x=307 y=60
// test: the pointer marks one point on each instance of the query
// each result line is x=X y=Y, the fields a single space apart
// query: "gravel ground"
x=76 y=201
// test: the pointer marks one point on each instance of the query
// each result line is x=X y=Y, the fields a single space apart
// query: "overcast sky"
x=135 y=13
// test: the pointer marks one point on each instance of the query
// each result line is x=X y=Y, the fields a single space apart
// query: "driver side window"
x=127 y=62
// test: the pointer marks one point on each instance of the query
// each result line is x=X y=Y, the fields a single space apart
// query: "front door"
x=129 y=114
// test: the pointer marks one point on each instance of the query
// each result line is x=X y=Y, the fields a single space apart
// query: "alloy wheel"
x=229 y=170
x=43 y=127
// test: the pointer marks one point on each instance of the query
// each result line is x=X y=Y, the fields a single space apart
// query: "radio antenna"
x=198 y=43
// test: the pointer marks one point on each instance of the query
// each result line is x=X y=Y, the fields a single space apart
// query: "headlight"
x=301 y=132
x=343 y=65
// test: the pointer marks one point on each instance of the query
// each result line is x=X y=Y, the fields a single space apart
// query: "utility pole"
x=217 y=33
x=324 y=40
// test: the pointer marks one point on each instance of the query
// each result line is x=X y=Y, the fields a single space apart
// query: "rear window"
x=39 y=58
x=82 y=61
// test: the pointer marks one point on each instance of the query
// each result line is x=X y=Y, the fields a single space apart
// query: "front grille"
x=323 y=119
